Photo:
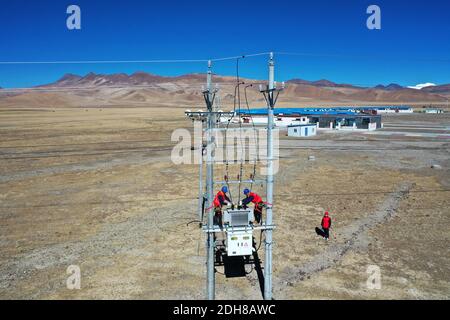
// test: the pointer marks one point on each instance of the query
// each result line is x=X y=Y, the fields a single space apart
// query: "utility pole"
x=271 y=95
x=269 y=211
x=209 y=99
x=205 y=206
x=201 y=194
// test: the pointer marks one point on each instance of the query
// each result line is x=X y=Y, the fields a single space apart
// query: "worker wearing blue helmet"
x=256 y=200
x=221 y=199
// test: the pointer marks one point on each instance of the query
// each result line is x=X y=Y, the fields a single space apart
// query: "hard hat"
x=246 y=191
x=326 y=213
x=224 y=189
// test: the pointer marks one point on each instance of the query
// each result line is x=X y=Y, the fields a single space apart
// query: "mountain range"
x=145 y=89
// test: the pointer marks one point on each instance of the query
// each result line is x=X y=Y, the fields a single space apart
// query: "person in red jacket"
x=258 y=202
x=326 y=224
x=220 y=200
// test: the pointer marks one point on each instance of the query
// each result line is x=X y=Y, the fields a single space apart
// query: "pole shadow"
x=258 y=269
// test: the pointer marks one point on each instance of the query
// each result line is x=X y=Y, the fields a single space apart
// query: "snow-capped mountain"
x=420 y=86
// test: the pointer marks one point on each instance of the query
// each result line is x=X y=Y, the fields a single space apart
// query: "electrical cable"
x=219 y=59
x=131 y=61
x=260 y=241
x=190 y=222
x=49 y=88
x=241 y=167
x=253 y=178
x=226 y=130
x=351 y=56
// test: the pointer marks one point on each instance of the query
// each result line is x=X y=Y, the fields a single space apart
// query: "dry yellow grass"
x=96 y=188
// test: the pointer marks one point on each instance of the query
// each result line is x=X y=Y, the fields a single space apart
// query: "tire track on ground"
x=111 y=240
x=355 y=237
x=87 y=166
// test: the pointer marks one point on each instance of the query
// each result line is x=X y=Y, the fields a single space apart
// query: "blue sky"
x=412 y=47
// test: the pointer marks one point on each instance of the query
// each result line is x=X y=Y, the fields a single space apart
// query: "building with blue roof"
x=323 y=117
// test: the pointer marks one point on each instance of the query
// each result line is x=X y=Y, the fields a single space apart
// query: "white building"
x=279 y=121
x=302 y=130
x=392 y=109
x=433 y=111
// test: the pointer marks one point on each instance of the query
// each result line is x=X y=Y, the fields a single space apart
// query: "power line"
x=370 y=193
x=76 y=204
x=168 y=61
x=165 y=140
x=241 y=56
x=161 y=85
x=102 y=61
x=80 y=88
x=81 y=144
x=62 y=153
x=352 y=56
x=131 y=61
x=145 y=149
x=219 y=59
x=156 y=224
x=49 y=88
x=87 y=203
x=30 y=131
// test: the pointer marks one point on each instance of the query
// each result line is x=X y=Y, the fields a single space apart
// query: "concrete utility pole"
x=209 y=116
x=269 y=211
x=201 y=194
x=210 y=287
x=270 y=93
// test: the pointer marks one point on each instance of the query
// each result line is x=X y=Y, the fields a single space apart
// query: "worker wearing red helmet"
x=220 y=200
x=326 y=225
x=257 y=200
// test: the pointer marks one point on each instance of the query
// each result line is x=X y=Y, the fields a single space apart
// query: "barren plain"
x=95 y=187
